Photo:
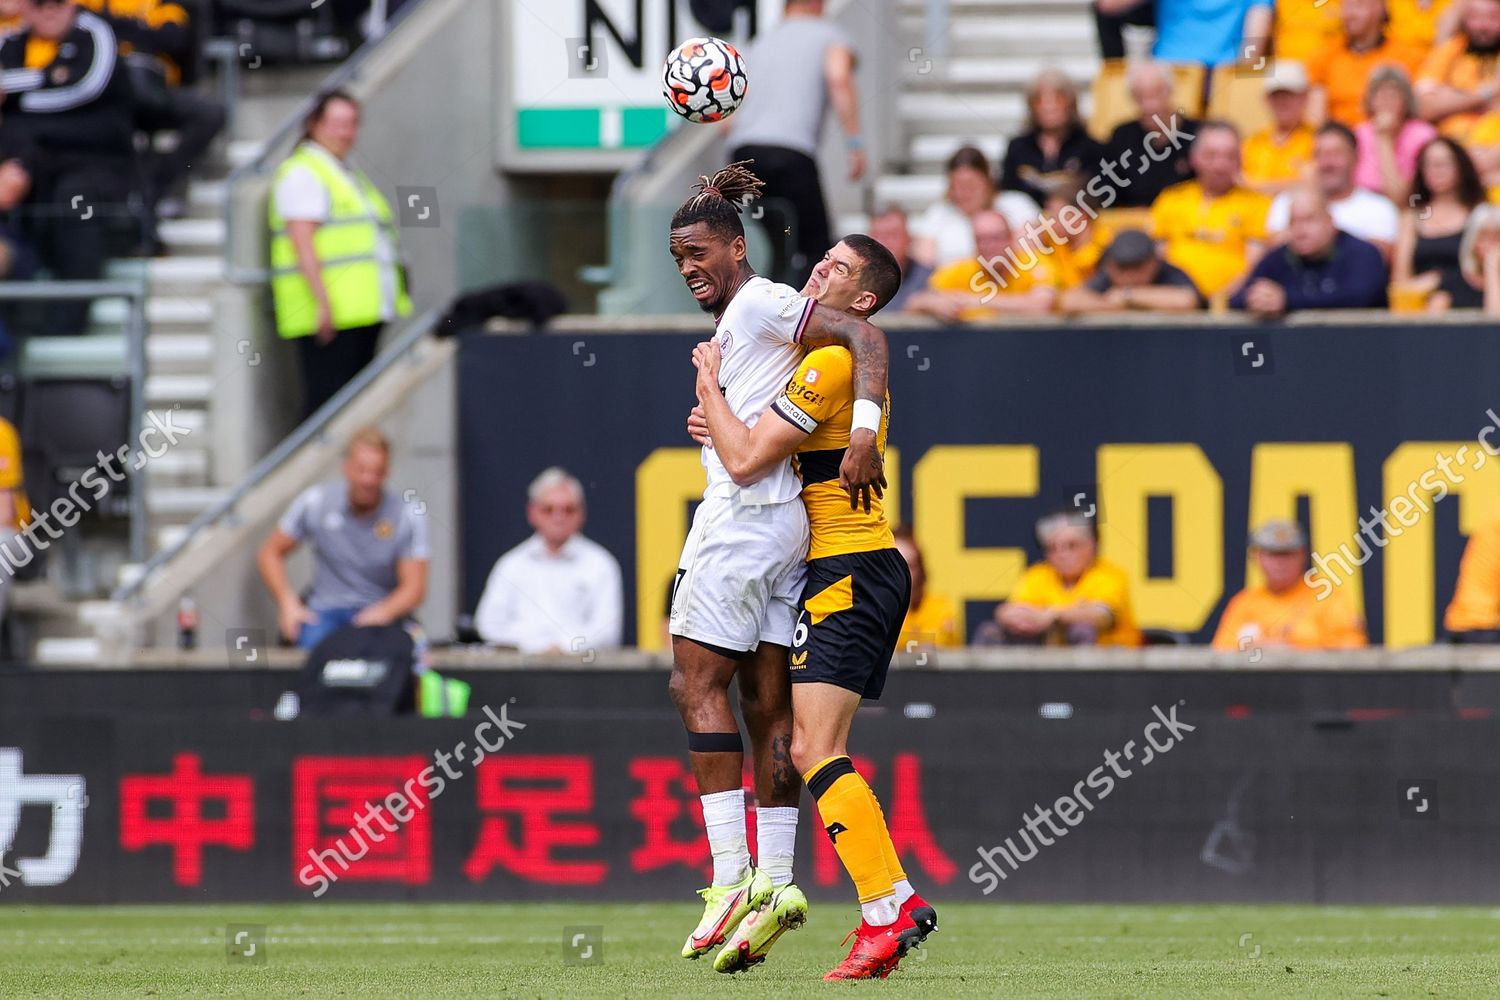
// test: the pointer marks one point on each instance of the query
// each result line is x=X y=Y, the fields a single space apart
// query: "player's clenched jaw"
x=711 y=263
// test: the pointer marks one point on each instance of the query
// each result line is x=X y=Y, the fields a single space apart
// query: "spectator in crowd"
x=61 y=81
x=1132 y=275
x=1480 y=255
x=1303 y=33
x=1444 y=192
x=1212 y=227
x=1055 y=146
x=1007 y=275
x=888 y=228
x=1077 y=236
x=1473 y=615
x=556 y=592
x=931 y=619
x=335 y=275
x=1111 y=17
x=15 y=511
x=1277 y=157
x=156 y=40
x=802 y=66
x=1151 y=150
x=1072 y=597
x=1212 y=32
x=1357 y=211
x=1391 y=136
x=18 y=156
x=1457 y=80
x=369 y=550
x=1319 y=267
x=1423 y=23
x=1285 y=611
x=945 y=232
x=1342 y=71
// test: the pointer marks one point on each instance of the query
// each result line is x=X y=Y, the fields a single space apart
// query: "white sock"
x=776 y=836
x=880 y=912
x=724 y=818
x=904 y=891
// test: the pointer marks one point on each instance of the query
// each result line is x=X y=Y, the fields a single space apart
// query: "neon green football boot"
x=752 y=939
x=724 y=907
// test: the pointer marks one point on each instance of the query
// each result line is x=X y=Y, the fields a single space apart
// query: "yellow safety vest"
x=346 y=243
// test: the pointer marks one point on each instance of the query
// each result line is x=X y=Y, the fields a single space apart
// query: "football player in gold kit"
x=855 y=600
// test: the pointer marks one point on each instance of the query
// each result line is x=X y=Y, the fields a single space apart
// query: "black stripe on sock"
x=824 y=779
x=715 y=743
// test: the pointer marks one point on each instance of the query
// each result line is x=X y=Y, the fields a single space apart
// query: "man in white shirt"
x=556 y=592
x=1357 y=211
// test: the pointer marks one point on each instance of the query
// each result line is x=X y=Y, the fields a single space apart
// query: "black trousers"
x=1111 y=27
x=326 y=368
x=196 y=120
x=793 y=200
x=75 y=198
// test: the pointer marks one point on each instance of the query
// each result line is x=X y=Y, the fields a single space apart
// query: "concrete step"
x=180 y=466
x=193 y=421
x=931 y=152
x=161 y=310
x=164 y=390
x=912 y=192
x=181 y=503
x=181 y=352
x=239 y=152
x=193 y=234
x=965 y=114
x=984 y=74
x=169 y=535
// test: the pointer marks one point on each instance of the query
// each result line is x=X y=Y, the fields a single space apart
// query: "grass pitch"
x=428 y=951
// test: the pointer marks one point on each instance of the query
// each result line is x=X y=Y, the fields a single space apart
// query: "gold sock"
x=851 y=817
x=892 y=863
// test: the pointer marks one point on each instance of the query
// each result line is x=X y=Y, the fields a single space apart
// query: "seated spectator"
x=1473 y=615
x=1480 y=255
x=1305 y=32
x=1072 y=597
x=1444 y=192
x=15 y=511
x=1158 y=126
x=1212 y=227
x=945 y=232
x=369 y=550
x=1456 y=83
x=1076 y=236
x=1319 y=267
x=888 y=228
x=155 y=40
x=1285 y=611
x=1342 y=71
x=61 y=79
x=1212 y=32
x=1357 y=211
x=1277 y=157
x=931 y=619
x=556 y=592
x=1055 y=146
x=1132 y=275
x=1390 y=137
x=1006 y=276
x=18 y=259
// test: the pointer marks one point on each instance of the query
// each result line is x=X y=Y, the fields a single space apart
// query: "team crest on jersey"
x=812 y=376
x=384 y=529
x=726 y=341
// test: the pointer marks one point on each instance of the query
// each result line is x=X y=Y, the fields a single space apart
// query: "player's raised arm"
x=863 y=470
x=748 y=453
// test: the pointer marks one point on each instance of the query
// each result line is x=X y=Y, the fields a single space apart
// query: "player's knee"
x=678 y=690
x=809 y=750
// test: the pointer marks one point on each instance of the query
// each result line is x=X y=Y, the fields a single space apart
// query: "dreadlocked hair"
x=720 y=199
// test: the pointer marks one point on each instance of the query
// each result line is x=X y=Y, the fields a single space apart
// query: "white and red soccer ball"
x=704 y=79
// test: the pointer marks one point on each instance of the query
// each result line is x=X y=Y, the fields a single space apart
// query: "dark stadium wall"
x=1182 y=437
x=1326 y=787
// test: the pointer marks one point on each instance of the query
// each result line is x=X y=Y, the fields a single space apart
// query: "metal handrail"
x=336 y=80
x=135 y=293
x=311 y=428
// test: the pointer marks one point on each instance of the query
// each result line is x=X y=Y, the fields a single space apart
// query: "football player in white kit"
x=735 y=597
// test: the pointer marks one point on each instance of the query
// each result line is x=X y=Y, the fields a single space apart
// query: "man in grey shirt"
x=369 y=550
x=798 y=69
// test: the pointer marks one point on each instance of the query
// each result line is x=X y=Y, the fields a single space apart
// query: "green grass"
x=430 y=951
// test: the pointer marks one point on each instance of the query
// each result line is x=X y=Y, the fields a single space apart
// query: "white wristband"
x=867 y=414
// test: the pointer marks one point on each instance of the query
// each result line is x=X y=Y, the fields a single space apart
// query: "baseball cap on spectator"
x=1286 y=74
x=1278 y=536
x=1131 y=248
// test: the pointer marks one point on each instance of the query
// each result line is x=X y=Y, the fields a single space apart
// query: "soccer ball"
x=704 y=79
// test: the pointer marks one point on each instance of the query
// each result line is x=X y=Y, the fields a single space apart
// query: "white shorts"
x=740 y=576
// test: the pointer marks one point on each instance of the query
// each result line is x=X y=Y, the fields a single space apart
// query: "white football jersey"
x=759 y=338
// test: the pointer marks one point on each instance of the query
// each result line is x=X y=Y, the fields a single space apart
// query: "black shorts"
x=850 y=620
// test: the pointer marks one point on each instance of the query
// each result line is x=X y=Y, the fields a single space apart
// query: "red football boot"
x=877 y=950
x=922 y=914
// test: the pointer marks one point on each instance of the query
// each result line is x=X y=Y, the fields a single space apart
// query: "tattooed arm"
x=863 y=470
